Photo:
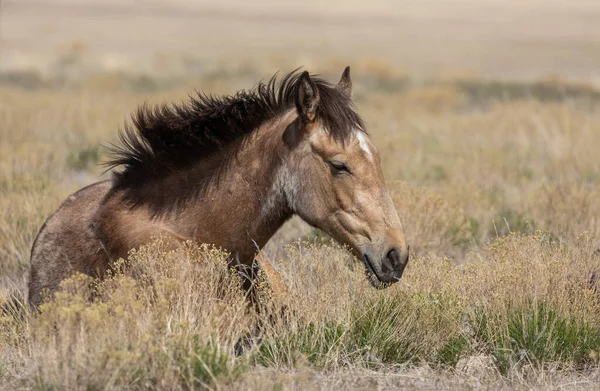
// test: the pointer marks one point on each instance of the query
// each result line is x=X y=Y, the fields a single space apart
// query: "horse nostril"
x=393 y=256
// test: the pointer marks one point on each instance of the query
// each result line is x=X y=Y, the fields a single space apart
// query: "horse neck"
x=247 y=204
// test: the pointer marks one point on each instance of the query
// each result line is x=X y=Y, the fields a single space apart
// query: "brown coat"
x=230 y=171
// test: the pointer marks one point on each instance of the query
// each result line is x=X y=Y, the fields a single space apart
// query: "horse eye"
x=340 y=167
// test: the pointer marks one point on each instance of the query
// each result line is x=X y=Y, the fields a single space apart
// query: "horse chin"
x=371 y=275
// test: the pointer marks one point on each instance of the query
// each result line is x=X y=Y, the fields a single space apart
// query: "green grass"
x=375 y=331
x=389 y=331
x=537 y=335
x=315 y=344
x=205 y=364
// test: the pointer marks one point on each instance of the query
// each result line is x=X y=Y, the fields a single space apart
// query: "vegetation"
x=497 y=192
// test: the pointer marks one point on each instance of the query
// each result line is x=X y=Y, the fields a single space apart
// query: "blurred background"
x=501 y=39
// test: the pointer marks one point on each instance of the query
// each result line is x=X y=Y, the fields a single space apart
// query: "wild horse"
x=230 y=171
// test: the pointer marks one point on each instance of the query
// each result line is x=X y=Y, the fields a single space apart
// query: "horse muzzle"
x=387 y=269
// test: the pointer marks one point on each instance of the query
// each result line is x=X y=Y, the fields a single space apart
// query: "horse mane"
x=172 y=137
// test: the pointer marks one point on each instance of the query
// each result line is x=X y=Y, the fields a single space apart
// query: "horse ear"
x=345 y=83
x=307 y=97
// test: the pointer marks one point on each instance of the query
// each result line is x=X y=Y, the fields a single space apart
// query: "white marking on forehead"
x=364 y=143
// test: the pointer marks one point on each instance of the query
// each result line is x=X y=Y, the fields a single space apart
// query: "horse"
x=229 y=171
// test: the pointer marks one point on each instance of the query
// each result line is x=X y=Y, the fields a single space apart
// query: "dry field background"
x=487 y=117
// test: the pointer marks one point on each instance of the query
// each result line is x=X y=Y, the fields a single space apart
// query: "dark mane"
x=169 y=138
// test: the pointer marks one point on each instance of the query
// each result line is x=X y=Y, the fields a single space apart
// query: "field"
x=487 y=119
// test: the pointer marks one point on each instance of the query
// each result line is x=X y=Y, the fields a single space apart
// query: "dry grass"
x=497 y=191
